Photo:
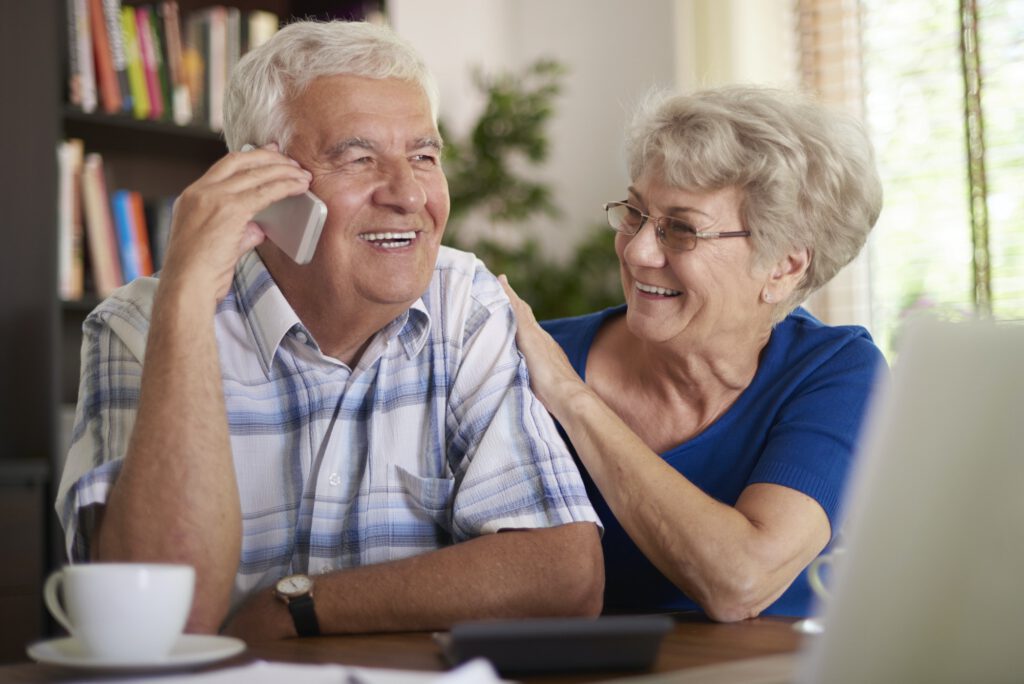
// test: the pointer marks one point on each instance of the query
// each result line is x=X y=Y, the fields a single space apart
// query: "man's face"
x=374 y=152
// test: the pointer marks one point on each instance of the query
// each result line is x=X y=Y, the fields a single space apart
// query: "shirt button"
x=301 y=337
x=334 y=479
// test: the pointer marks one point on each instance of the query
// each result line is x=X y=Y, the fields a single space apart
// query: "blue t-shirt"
x=795 y=425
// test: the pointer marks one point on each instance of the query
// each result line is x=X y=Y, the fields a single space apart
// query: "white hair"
x=806 y=174
x=268 y=77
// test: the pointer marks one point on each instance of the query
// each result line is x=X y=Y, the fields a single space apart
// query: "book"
x=159 y=212
x=132 y=236
x=81 y=71
x=193 y=58
x=127 y=250
x=232 y=41
x=144 y=34
x=181 y=99
x=207 y=33
x=99 y=227
x=115 y=36
x=156 y=32
x=110 y=89
x=143 y=250
x=133 y=61
x=260 y=25
x=70 y=266
x=217 y=65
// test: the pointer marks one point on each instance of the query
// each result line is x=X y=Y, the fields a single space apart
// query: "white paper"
x=477 y=671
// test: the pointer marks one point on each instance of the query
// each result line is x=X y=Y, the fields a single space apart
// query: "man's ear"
x=786 y=274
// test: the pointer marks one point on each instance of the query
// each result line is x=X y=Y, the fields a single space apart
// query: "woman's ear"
x=786 y=275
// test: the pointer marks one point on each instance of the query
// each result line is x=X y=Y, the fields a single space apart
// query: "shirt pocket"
x=428 y=501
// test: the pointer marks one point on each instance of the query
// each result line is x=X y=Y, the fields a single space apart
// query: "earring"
x=768 y=297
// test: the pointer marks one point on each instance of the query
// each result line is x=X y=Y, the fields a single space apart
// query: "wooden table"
x=694 y=642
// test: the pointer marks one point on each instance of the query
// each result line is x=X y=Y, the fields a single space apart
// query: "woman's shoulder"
x=801 y=338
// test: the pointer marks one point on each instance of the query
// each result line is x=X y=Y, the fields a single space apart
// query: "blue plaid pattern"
x=432 y=438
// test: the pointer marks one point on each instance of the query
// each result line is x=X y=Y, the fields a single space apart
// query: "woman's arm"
x=733 y=561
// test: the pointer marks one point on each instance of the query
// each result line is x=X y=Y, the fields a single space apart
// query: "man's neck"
x=341 y=334
x=342 y=321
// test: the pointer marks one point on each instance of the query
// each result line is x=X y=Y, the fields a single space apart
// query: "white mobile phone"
x=294 y=223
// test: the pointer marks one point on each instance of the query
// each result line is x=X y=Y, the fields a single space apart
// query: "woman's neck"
x=669 y=392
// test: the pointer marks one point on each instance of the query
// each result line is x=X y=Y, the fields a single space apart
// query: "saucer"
x=191 y=649
x=809 y=626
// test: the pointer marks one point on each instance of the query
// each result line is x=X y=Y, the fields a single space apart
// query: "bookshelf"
x=40 y=335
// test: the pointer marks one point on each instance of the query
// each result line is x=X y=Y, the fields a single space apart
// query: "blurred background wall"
x=614 y=52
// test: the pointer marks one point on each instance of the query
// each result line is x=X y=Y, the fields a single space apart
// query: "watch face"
x=294 y=585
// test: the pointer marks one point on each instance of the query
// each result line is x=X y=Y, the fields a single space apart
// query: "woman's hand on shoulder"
x=552 y=377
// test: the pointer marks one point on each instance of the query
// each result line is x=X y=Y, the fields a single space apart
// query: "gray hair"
x=268 y=77
x=806 y=174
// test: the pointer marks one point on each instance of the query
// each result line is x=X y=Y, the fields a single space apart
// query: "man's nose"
x=400 y=189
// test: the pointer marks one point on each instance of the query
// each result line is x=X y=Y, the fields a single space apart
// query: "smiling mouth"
x=390 y=240
x=654 y=290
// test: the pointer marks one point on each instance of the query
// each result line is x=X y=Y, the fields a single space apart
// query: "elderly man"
x=347 y=445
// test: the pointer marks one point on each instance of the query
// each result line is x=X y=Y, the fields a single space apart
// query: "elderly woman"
x=715 y=419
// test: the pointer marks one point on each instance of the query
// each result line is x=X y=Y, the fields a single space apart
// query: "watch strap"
x=304 y=616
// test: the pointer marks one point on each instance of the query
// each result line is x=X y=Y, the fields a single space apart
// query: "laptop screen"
x=931 y=587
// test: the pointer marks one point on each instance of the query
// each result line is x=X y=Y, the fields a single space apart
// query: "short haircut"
x=806 y=174
x=268 y=77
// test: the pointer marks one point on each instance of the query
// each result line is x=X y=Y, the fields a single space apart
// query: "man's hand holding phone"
x=213 y=227
x=293 y=223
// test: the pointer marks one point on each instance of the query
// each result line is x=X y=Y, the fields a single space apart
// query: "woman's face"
x=708 y=294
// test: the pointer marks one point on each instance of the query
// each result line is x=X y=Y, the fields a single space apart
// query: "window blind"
x=829 y=46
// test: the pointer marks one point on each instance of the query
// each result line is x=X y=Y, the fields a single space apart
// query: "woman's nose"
x=644 y=248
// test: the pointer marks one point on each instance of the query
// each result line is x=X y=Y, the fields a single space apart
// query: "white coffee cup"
x=814 y=577
x=122 y=612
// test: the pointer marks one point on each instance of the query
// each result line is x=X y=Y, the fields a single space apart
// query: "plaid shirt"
x=432 y=438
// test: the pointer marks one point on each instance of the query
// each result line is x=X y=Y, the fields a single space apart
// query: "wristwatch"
x=297 y=593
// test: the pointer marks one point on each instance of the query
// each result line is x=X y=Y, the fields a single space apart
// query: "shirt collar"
x=270 y=317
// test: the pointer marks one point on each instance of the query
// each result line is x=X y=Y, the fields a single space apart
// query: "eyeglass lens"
x=673 y=233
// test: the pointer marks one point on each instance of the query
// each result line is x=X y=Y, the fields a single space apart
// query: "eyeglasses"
x=674 y=233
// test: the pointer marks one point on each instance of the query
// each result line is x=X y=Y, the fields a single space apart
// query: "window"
x=934 y=81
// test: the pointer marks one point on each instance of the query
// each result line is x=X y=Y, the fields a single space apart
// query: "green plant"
x=587 y=282
x=481 y=169
x=484 y=174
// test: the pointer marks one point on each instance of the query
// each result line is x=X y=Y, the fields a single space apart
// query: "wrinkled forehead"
x=352 y=110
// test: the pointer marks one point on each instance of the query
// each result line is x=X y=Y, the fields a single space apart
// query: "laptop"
x=931 y=588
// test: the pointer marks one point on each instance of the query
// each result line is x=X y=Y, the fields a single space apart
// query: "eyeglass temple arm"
x=711 y=234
